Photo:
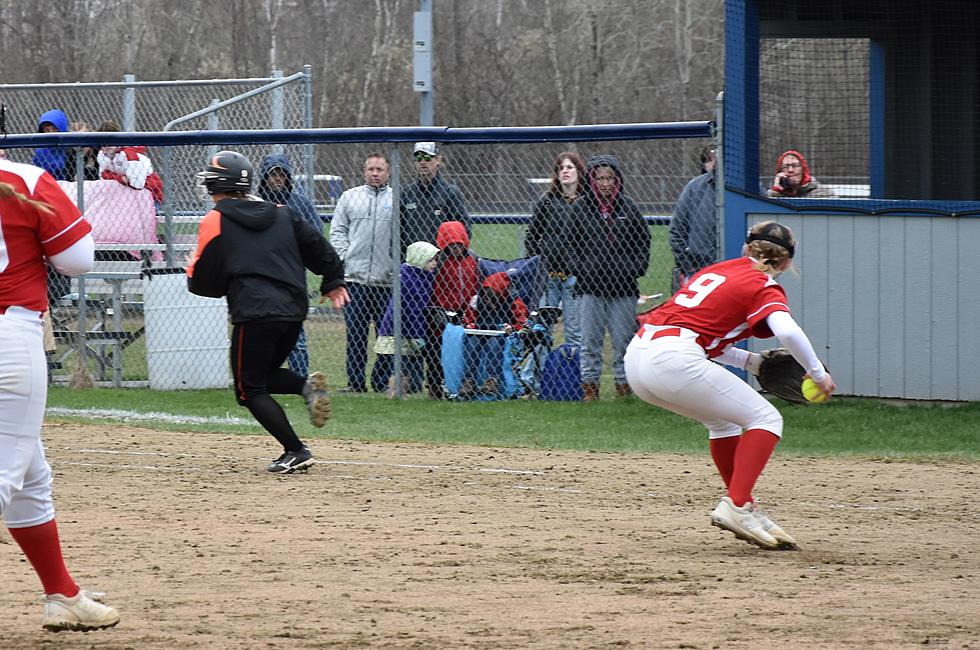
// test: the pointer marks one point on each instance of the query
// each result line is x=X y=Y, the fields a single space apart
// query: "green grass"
x=844 y=427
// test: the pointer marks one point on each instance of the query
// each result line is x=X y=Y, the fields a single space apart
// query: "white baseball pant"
x=25 y=477
x=673 y=372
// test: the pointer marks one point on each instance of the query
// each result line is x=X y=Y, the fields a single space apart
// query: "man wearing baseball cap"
x=431 y=200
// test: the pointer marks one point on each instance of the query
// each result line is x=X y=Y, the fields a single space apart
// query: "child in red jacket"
x=495 y=309
x=456 y=282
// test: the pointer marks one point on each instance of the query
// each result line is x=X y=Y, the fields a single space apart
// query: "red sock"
x=723 y=453
x=43 y=548
x=754 y=450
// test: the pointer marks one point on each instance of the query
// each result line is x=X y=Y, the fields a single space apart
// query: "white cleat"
x=81 y=613
x=786 y=542
x=742 y=522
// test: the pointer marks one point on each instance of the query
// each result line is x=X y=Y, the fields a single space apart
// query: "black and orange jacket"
x=255 y=253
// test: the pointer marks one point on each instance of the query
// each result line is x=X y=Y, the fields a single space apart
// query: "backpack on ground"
x=561 y=379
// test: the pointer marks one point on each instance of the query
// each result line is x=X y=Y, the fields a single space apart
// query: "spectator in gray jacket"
x=276 y=186
x=694 y=226
x=428 y=203
x=361 y=233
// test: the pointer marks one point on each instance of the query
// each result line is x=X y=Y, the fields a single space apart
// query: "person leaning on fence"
x=495 y=308
x=694 y=226
x=276 y=186
x=793 y=179
x=609 y=249
x=456 y=282
x=40 y=225
x=545 y=237
x=416 y=277
x=129 y=165
x=361 y=231
x=431 y=200
x=256 y=254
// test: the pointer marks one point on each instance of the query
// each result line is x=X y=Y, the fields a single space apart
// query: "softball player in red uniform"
x=37 y=222
x=670 y=363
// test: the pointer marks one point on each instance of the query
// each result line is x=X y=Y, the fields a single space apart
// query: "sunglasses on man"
x=421 y=156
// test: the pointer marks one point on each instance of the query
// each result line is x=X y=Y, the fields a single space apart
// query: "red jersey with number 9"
x=723 y=303
x=28 y=234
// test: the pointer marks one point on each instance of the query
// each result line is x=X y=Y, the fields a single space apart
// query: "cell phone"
x=783 y=182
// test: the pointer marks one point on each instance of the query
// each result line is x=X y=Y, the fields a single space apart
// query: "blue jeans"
x=299 y=359
x=367 y=305
x=558 y=293
x=598 y=314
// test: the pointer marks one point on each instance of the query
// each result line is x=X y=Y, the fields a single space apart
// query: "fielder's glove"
x=782 y=375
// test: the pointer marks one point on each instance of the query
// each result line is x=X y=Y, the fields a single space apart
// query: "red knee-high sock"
x=754 y=450
x=43 y=548
x=723 y=453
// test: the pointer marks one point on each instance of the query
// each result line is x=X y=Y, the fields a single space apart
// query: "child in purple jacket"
x=416 y=276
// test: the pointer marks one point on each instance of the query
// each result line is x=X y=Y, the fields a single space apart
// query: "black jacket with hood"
x=608 y=242
x=255 y=253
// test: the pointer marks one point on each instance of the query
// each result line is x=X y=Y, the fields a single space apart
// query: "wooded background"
x=496 y=62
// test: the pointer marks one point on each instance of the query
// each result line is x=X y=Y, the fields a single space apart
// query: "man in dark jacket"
x=276 y=186
x=255 y=254
x=426 y=204
x=609 y=249
x=694 y=226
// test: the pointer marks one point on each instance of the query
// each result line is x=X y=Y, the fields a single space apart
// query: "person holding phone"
x=793 y=179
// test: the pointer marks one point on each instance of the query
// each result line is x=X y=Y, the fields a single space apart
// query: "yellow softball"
x=812 y=392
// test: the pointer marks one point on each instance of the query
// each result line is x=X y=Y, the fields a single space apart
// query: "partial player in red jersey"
x=670 y=363
x=39 y=225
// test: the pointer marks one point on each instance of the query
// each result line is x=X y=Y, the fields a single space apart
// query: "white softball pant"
x=25 y=477
x=673 y=372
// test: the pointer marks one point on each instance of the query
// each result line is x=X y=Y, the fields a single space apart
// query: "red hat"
x=498 y=282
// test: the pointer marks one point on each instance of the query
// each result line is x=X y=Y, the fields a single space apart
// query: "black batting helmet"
x=227 y=171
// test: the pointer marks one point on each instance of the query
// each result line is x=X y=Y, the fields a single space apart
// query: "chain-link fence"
x=591 y=246
x=554 y=244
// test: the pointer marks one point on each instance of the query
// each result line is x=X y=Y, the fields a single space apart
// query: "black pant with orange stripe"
x=258 y=351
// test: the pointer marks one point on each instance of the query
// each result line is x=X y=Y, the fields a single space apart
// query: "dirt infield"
x=418 y=546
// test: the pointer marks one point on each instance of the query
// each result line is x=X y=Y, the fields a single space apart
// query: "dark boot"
x=467 y=390
x=590 y=392
x=623 y=391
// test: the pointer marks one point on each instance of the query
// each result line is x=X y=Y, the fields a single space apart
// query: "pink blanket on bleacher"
x=118 y=214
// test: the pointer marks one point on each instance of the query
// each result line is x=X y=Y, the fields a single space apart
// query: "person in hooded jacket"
x=57 y=161
x=495 y=308
x=608 y=250
x=276 y=186
x=256 y=254
x=793 y=179
x=416 y=277
x=456 y=282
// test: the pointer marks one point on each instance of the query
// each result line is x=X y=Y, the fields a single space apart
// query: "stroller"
x=527 y=280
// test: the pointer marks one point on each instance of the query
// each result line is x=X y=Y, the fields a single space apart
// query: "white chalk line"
x=156 y=416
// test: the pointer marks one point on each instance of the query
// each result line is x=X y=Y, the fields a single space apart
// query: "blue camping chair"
x=528 y=280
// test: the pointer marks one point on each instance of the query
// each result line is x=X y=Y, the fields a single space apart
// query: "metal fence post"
x=129 y=103
x=308 y=155
x=396 y=252
x=276 y=109
x=213 y=125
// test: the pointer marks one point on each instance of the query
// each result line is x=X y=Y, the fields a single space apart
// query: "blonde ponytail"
x=7 y=191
